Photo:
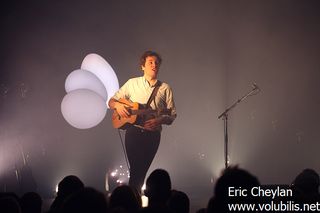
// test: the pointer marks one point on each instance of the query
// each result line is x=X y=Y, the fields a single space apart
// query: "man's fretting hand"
x=152 y=124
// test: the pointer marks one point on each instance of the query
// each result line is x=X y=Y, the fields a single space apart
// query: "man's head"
x=150 y=62
x=148 y=54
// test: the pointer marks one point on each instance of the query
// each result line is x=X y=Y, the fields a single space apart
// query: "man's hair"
x=147 y=54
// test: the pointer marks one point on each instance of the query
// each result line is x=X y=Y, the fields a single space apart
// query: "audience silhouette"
x=306 y=187
x=158 y=190
x=74 y=197
x=31 y=202
x=179 y=202
x=124 y=197
x=70 y=184
x=232 y=177
x=9 y=203
x=86 y=200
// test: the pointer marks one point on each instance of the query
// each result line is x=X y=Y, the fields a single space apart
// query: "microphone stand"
x=224 y=116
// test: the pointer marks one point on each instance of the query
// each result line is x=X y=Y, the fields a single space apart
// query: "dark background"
x=212 y=52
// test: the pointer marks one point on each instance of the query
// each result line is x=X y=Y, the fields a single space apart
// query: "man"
x=142 y=140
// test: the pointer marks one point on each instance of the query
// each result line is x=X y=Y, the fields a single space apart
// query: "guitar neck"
x=150 y=111
x=143 y=111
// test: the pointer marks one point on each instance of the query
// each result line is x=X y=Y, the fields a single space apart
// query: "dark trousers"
x=141 y=147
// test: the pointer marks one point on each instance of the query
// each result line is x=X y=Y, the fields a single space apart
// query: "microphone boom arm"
x=238 y=101
x=224 y=115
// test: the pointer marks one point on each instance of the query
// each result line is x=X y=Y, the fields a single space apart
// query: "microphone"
x=255 y=87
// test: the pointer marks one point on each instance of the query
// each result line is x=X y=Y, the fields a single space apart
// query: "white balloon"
x=83 y=79
x=102 y=69
x=83 y=108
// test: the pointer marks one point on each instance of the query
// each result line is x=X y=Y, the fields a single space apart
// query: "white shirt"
x=139 y=90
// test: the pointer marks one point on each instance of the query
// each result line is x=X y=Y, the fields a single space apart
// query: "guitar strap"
x=153 y=94
x=143 y=117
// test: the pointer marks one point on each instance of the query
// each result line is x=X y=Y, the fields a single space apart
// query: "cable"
x=124 y=150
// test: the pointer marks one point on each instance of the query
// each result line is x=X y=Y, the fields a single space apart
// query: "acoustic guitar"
x=137 y=114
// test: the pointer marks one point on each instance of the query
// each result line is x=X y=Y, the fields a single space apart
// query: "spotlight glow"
x=117 y=177
x=143 y=187
x=145 y=201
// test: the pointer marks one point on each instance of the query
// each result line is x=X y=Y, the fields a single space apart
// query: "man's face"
x=151 y=67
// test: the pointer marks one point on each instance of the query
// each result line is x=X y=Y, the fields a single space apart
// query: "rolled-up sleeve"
x=170 y=105
x=123 y=92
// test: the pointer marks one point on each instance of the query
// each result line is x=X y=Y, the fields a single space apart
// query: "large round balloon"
x=82 y=79
x=101 y=68
x=83 y=108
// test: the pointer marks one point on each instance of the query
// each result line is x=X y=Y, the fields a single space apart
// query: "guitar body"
x=138 y=114
x=122 y=122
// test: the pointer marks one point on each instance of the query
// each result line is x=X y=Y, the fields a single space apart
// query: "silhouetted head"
x=234 y=177
x=307 y=182
x=9 y=205
x=179 y=202
x=68 y=185
x=158 y=186
x=124 y=197
x=238 y=179
x=87 y=200
x=31 y=202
